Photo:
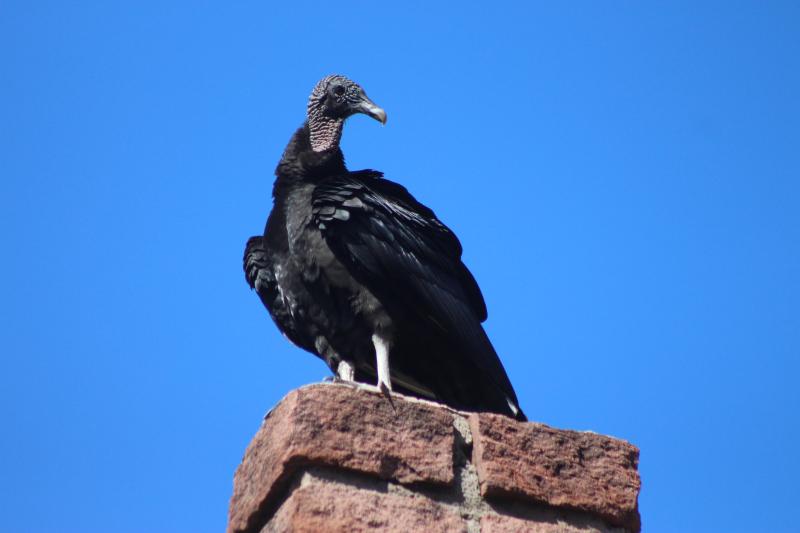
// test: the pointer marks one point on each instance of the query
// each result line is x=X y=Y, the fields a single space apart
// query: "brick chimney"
x=334 y=457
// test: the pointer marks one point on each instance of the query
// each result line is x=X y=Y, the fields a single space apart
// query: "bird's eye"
x=338 y=90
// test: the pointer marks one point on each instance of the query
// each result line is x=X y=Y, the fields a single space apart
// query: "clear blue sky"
x=624 y=178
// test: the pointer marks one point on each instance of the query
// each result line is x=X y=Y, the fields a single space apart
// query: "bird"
x=353 y=269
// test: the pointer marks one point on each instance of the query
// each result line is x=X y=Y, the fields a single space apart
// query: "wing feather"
x=403 y=253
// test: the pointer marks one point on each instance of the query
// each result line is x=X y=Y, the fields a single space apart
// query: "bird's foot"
x=386 y=390
x=345 y=371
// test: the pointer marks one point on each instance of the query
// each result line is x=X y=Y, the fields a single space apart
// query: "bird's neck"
x=301 y=162
x=325 y=132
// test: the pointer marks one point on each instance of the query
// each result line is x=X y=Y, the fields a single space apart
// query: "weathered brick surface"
x=328 y=507
x=545 y=523
x=343 y=427
x=495 y=523
x=339 y=458
x=570 y=469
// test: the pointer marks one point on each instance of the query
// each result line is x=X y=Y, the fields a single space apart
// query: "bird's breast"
x=320 y=267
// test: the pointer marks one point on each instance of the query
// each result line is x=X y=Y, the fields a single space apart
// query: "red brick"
x=568 y=469
x=329 y=507
x=346 y=428
x=495 y=523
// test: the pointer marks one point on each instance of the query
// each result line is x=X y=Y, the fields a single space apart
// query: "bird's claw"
x=384 y=388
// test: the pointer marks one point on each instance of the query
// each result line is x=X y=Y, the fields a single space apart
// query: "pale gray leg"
x=345 y=371
x=382 y=356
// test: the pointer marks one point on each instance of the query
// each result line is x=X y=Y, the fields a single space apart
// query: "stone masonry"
x=340 y=458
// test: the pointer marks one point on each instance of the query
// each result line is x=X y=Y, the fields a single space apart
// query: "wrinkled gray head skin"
x=333 y=100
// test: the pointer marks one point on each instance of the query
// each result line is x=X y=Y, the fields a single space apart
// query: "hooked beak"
x=369 y=108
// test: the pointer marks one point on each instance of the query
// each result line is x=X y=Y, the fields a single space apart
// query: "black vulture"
x=355 y=270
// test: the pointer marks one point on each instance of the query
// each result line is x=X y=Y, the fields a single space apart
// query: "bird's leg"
x=345 y=371
x=382 y=360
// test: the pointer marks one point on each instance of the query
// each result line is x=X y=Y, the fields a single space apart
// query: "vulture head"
x=338 y=97
x=333 y=100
